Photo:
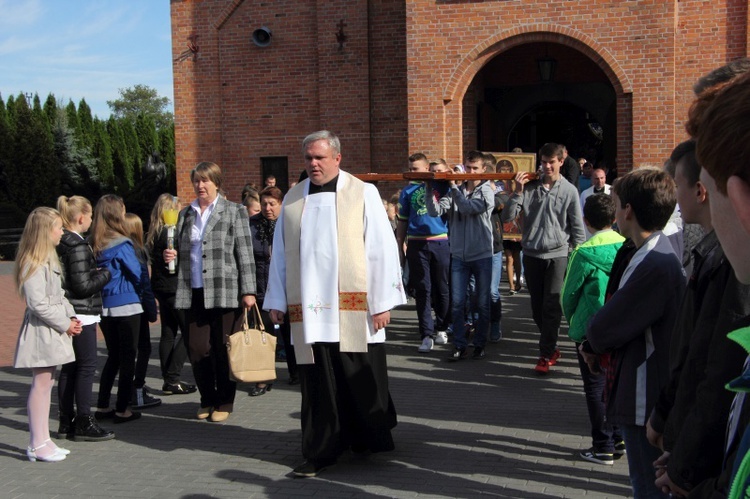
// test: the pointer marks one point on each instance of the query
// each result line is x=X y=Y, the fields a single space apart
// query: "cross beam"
x=441 y=176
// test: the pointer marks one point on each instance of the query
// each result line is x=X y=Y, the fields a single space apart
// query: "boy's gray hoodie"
x=552 y=220
x=469 y=224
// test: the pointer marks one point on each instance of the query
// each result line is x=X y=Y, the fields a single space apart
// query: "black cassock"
x=345 y=402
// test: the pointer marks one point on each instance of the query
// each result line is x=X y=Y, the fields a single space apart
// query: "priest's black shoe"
x=88 y=430
x=310 y=469
x=478 y=353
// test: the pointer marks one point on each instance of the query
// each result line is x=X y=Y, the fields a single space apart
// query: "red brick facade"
x=437 y=76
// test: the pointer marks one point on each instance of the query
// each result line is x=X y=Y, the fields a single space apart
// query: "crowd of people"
x=658 y=335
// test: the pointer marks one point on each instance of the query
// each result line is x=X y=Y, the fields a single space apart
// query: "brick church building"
x=612 y=80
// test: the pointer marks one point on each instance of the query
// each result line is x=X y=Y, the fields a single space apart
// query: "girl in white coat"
x=49 y=323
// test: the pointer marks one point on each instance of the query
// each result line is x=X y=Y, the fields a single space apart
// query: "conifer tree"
x=137 y=158
x=79 y=174
x=6 y=145
x=73 y=122
x=166 y=151
x=11 y=109
x=32 y=177
x=122 y=164
x=50 y=107
x=102 y=152
x=86 y=123
x=148 y=140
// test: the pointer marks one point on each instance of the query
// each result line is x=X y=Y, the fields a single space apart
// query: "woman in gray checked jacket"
x=216 y=284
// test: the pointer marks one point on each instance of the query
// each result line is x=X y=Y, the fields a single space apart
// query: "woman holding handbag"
x=215 y=285
x=262 y=228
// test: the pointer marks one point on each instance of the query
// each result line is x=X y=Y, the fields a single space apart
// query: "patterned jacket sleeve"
x=243 y=252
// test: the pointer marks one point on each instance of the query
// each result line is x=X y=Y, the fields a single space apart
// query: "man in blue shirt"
x=428 y=257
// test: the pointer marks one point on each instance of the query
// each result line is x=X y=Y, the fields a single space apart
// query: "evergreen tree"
x=148 y=140
x=86 y=122
x=50 y=108
x=122 y=164
x=166 y=151
x=137 y=159
x=32 y=177
x=73 y=122
x=102 y=151
x=40 y=115
x=11 y=109
x=77 y=167
x=6 y=145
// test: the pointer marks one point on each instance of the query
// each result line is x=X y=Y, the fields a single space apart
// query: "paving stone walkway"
x=468 y=429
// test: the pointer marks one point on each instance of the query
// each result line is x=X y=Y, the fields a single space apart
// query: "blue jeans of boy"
x=461 y=271
x=429 y=264
x=496 y=312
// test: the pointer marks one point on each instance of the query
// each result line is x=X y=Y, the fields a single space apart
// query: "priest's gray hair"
x=330 y=137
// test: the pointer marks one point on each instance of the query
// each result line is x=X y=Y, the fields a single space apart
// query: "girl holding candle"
x=172 y=351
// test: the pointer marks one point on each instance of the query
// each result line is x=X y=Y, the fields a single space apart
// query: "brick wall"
x=404 y=80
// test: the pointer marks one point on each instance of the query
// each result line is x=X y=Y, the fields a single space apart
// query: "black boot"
x=88 y=430
x=66 y=428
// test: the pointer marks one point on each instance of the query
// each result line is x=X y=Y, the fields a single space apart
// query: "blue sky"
x=84 y=49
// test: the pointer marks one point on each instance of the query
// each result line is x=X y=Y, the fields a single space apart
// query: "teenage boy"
x=428 y=257
x=583 y=295
x=634 y=326
x=552 y=225
x=720 y=123
x=689 y=420
x=469 y=207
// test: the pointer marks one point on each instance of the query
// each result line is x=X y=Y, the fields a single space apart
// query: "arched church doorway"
x=541 y=92
x=560 y=122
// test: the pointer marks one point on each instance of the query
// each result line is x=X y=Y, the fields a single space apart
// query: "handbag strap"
x=256 y=317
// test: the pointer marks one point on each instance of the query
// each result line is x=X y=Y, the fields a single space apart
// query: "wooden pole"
x=441 y=176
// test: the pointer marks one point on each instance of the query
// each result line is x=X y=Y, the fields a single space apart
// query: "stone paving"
x=468 y=429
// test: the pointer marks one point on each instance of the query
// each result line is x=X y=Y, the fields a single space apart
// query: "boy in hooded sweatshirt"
x=582 y=295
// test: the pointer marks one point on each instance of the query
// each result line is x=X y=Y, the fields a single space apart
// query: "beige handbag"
x=252 y=352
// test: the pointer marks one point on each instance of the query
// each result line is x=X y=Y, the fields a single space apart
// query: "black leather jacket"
x=83 y=282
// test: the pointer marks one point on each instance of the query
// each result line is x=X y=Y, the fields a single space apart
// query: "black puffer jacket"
x=83 y=281
x=162 y=282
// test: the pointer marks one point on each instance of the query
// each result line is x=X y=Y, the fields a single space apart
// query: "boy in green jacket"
x=582 y=295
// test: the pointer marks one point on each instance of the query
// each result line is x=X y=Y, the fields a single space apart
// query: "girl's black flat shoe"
x=258 y=390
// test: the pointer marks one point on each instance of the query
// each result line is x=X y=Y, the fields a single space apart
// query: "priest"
x=335 y=271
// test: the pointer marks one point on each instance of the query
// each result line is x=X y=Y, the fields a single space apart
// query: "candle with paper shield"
x=170 y=221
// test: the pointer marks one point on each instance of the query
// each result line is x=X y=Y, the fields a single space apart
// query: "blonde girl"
x=83 y=284
x=44 y=341
x=141 y=397
x=172 y=351
x=121 y=312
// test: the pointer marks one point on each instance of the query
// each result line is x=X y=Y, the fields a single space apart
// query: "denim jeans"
x=604 y=435
x=641 y=455
x=429 y=264
x=461 y=271
x=496 y=311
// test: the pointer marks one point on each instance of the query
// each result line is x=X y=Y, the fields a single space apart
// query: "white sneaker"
x=441 y=338
x=426 y=345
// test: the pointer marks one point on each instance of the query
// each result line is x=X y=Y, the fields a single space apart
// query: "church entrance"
x=542 y=92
